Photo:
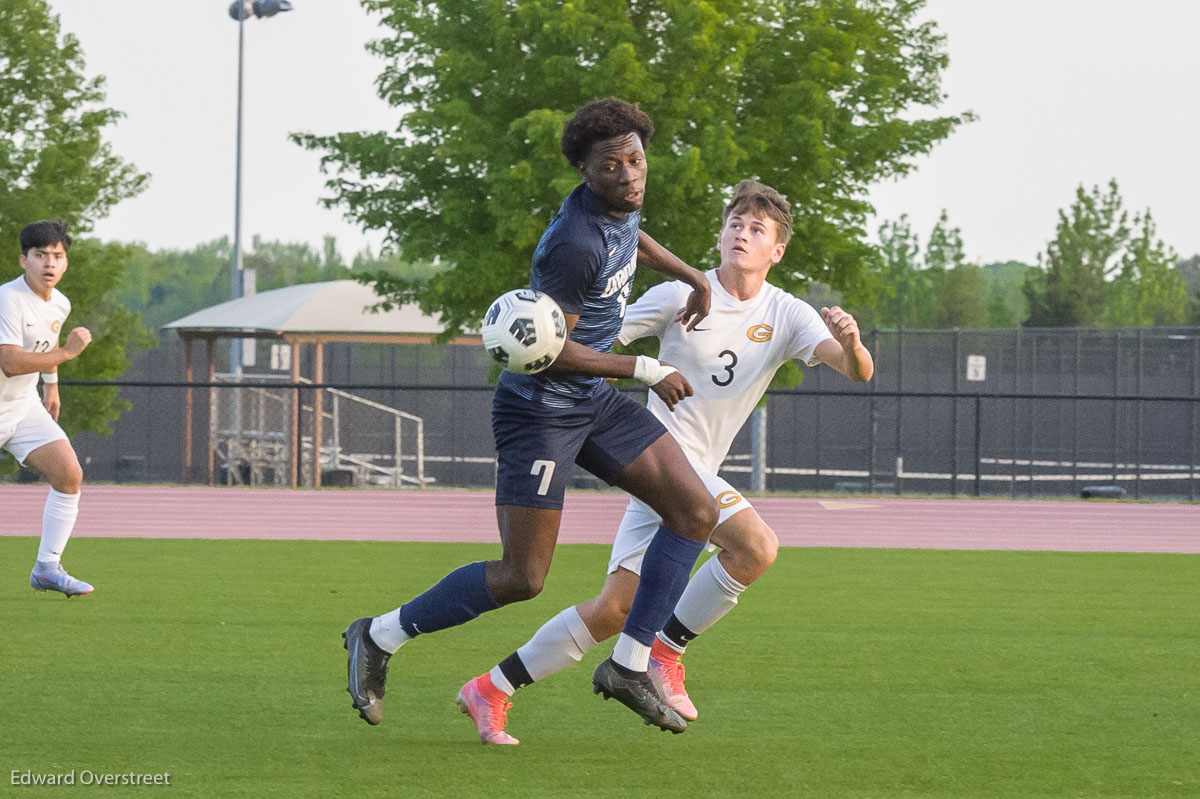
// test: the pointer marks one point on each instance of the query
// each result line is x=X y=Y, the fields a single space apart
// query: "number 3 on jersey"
x=726 y=378
x=546 y=469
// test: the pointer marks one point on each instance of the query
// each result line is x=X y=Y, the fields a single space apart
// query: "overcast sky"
x=1068 y=92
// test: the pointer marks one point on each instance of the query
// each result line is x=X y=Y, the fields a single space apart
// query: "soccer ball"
x=524 y=330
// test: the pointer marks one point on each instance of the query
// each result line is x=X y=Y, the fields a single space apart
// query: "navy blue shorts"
x=536 y=446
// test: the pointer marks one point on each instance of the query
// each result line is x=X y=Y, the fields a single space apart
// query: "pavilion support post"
x=210 y=371
x=187 y=411
x=318 y=410
x=296 y=426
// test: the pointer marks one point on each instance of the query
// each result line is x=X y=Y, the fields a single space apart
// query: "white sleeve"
x=653 y=313
x=808 y=330
x=10 y=320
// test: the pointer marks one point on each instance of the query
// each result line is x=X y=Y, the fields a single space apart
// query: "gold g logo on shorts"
x=760 y=333
x=727 y=499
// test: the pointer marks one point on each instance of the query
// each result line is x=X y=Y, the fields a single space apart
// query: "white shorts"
x=35 y=429
x=640 y=523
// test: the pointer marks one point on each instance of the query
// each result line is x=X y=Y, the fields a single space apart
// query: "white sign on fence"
x=977 y=367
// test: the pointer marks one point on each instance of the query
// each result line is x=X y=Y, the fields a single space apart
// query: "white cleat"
x=46 y=577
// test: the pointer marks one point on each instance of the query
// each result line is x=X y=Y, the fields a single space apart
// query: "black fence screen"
x=990 y=413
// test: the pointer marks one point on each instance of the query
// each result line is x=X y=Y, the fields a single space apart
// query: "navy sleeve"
x=566 y=272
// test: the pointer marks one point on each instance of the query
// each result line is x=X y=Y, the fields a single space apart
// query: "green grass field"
x=843 y=673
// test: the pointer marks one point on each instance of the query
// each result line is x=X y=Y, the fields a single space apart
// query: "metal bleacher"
x=363 y=442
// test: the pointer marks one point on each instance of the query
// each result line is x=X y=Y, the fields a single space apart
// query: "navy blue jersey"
x=585 y=261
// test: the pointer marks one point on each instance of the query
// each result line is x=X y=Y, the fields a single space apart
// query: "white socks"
x=387 y=633
x=710 y=594
x=557 y=644
x=564 y=639
x=58 y=520
x=631 y=654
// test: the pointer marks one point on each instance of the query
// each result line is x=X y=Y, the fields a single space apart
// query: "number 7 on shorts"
x=546 y=468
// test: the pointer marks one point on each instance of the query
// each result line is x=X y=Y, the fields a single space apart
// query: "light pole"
x=241 y=10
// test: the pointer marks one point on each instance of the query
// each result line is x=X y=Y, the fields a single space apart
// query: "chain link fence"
x=989 y=413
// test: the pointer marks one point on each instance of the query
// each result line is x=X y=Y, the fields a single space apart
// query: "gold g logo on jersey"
x=727 y=499
x=760 y=333
x=55 y=326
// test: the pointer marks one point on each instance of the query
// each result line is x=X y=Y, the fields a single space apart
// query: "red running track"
x=450 y=515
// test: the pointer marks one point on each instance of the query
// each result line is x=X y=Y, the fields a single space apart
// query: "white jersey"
x=729 y=358
x=33 y=324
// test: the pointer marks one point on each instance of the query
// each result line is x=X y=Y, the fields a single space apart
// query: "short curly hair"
x=46 y=233
x=603 y=119
x=762 y=200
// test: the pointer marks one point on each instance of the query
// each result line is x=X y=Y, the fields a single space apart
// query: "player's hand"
x=77 y=341
x=50 y=400
x=697 y=305
x=672 y=389
x=843 y=327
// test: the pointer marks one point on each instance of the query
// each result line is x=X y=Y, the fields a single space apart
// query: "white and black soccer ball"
x=524 y=330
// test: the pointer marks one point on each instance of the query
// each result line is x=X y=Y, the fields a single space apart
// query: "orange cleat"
x=488 y=708
x=667 y=665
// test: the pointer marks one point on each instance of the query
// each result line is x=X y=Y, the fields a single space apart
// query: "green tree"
x=54 y=162
x=90 y=283
x=1006 y=303
x=819 y=98
x=169 y=284
x=1190 y=271
x=961 y=297
x=932 y=289
x=280 y=264
x=1147 y=290
x=944 y=250
x=1103 y=269
x=905 y=292
x=1067 y=290
x=958 y=288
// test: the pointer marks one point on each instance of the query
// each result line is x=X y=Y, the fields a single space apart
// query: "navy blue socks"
x=456 y=599
x=666 y=568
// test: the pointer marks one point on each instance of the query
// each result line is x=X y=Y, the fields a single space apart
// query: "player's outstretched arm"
x=845 y=352
x=15 y=361
x=576 y=359
x=660 y=259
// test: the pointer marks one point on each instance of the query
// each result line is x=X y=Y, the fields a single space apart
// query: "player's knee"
x=69 y=480
x=692 y=517
x=750 y=552
x=697 y=519
x=518 y=586
x=764 y=547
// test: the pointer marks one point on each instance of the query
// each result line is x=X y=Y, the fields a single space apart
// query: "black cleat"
x=639 y=693
x=366 y=671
